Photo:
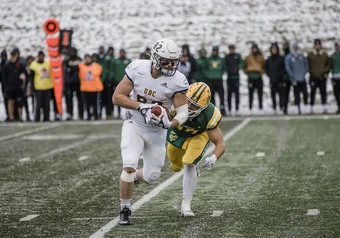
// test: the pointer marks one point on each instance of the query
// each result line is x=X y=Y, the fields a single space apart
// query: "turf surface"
x=265 y=196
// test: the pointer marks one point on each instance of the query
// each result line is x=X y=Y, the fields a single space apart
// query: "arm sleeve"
x=214 y=120
x=287 y=66
x=181 y=85
x=130 y=71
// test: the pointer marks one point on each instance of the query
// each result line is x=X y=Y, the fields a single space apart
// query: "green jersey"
x=208 y=119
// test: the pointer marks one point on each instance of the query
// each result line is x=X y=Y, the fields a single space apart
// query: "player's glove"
x=209 y=162
x=145 y=110
x=162 y=121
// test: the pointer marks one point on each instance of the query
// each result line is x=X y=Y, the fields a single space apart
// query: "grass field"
x=273 y=172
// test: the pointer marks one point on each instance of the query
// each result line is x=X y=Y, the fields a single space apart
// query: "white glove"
x=162 y=121
x=145 y=110
x=209 y=162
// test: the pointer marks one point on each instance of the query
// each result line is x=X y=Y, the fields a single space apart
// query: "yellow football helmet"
x=199 y=95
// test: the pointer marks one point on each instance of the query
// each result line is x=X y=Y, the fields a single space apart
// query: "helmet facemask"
x=196 y=112
x=167 y=67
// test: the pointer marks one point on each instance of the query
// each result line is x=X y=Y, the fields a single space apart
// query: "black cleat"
x=125 y=216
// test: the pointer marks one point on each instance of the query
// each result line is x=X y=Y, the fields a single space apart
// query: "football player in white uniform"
x=147 y=83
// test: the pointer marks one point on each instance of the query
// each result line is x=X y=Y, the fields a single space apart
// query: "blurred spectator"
x=192 y=77
x=21 y=59
x=2 y=65
x=335 y=69
x=184 y=65
x=101 y=54
x=29 y=89
x=14 y=75
x=215 y=68
x=43 y=85
x=254 y=65
x=201 y=64
x=233 y=63
x=121 y=63
x=318 y=63
x=147 y=53
x=286 y=80
x=144 y=56
x=107 y=79
x=297 y=67
x=275 y=69
x=90 y=85
x=72 y=83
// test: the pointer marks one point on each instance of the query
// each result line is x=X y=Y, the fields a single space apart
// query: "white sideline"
x=106 y=228
x=22 y=133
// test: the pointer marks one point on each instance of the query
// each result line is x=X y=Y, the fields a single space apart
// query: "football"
x=157 y=111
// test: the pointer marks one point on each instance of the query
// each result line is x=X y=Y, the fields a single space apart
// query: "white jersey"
x=150 y=90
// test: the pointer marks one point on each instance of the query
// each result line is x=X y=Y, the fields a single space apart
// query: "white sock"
x=125 y=203
x=189 y=182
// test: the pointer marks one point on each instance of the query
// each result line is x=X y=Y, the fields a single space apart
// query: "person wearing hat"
x=335 y=69
x=275 y=69
x=43 y=85
x=120 y=64
x=297 y=67
x=215 y=68
x=233 y=63
x=319 y=65
x=254 y=65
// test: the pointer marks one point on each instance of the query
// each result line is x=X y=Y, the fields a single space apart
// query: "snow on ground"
x=136 y=24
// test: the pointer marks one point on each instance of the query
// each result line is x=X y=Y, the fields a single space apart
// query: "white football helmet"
x=165 y=56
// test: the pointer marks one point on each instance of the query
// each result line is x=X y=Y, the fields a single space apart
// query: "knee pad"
x=152 y=178
x=127 y=177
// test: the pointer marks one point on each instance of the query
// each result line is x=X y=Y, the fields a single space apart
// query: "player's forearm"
x=219 y=149
x=174 y=123
x=125 y=102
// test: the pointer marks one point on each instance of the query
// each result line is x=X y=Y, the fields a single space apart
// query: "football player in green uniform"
x=188 y=142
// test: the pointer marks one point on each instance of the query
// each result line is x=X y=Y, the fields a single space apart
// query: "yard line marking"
x=325 y=117
x=81 y=158
x=23 y=133
x=65 y=148
x=106 y=228
x=320 y=153
x=24 y=159
x=313 y=212
x=260 y=154
x=217 y=213
x=53 y=137
x=29 y=217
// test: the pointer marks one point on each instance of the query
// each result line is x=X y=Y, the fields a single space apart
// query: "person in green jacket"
x=318 y=67
x=121 y=63
x=335 y=69
x=215 y=68
x=201 y=63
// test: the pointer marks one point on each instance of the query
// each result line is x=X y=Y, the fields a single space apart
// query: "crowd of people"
x=93 y=79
